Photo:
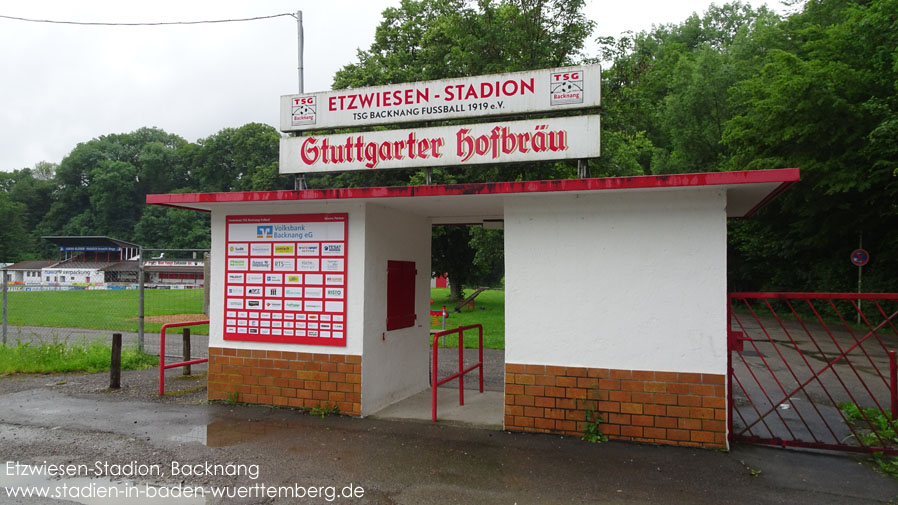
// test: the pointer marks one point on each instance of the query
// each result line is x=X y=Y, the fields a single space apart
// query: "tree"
x=453 y=256
x=114 y=198
x=666 y=97
x=436 y=39
x=169 y=228
x=101 y=186
x=44 y=170
x=26 y=187
x=238 y=159
x=160 y=169
x=825 y=103
x=14 y=239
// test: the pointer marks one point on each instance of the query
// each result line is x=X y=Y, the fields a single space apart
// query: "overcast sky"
x=63 y=84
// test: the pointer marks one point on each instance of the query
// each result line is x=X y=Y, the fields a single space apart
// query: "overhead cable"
x=161 y=23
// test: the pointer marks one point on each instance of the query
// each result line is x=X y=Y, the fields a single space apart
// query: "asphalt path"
x=199 y=344
x=400 y=462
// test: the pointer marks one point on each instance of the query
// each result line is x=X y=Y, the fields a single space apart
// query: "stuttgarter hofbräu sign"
x=492 y=142
x=495 y=141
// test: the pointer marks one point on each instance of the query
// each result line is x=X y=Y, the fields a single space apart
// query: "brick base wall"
x=290 y=379
x=646 y=406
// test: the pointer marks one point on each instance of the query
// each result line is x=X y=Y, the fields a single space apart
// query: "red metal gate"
x=814 y=370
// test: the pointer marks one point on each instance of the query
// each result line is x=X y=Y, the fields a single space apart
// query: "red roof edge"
x=787 y=176
x=767 y=199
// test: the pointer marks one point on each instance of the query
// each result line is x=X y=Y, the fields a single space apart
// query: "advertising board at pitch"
x=543 y=90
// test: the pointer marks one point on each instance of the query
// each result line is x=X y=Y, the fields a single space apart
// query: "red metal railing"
x=162 y=366
x=460 y=375
x=814 y=370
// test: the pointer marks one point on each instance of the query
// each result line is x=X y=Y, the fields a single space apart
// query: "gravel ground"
x=144 y=384
x=140 y=385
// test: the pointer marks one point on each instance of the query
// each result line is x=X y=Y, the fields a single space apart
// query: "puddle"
x=90 y=491
x=226 y=433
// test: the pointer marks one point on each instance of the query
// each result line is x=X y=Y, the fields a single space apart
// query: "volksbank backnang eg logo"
x=264 y=231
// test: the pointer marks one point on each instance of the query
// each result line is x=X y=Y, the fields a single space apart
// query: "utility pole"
x=860 y=276
x=300 y=43
x=299 y=180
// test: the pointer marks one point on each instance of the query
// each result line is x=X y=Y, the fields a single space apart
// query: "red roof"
x=747 y=190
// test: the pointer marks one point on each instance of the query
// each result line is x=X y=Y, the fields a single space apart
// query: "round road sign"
x=860 y=257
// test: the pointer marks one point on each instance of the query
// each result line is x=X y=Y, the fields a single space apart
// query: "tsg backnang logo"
x=264 y=231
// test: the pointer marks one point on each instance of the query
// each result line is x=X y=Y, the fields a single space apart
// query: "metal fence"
x=132 y=297
x=173 y=291
x=814 y=370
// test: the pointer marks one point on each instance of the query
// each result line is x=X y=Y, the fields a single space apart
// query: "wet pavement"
x=396 y=462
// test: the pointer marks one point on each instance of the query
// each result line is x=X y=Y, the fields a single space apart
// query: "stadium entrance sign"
x=555 y=89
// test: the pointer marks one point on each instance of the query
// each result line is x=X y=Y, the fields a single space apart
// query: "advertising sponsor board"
x=174 y=263
x=492 y=142
x=275 y=275
x=555 y=89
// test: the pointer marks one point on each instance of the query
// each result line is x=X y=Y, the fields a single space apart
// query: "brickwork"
x=291 y=379
x=646 y=406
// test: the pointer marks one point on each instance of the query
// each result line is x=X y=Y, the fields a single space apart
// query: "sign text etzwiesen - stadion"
x=491 y=142
x=485 y=95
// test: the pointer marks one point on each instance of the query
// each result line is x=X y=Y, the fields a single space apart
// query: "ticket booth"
x=615 y=288
x=615 y=292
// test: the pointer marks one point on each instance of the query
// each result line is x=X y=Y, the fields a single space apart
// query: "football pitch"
x=116 y=310
x=101 y=309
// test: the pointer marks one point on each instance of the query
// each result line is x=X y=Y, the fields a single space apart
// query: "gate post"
x=115 y=362
x=893 y=384
x=4 y=306
x=140 y=300
x=729 y=370
x=185 y=346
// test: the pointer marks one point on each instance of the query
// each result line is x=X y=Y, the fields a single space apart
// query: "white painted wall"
x=633 y=280
x=34 y=278
x=355 y=272
x=72 y=276
x=394 y=363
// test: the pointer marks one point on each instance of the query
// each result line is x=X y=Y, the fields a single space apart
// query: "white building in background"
x=98 y=262
x=174 y=273
x=27 y=273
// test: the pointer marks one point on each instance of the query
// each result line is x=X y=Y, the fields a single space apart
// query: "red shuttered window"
x=400 y=294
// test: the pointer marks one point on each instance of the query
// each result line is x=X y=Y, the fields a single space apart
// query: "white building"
x=615 y=296
x=27 y=273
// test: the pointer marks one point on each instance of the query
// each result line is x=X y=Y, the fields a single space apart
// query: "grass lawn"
x=62 y=357
x=117 y=310
x=101 y=309
x=490 y=313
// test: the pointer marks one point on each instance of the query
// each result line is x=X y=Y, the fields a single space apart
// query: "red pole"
x=480 y=336
x=461 y=367
x=433 y=381
x=893 y=372
x=162 y=361
x=729 y=369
